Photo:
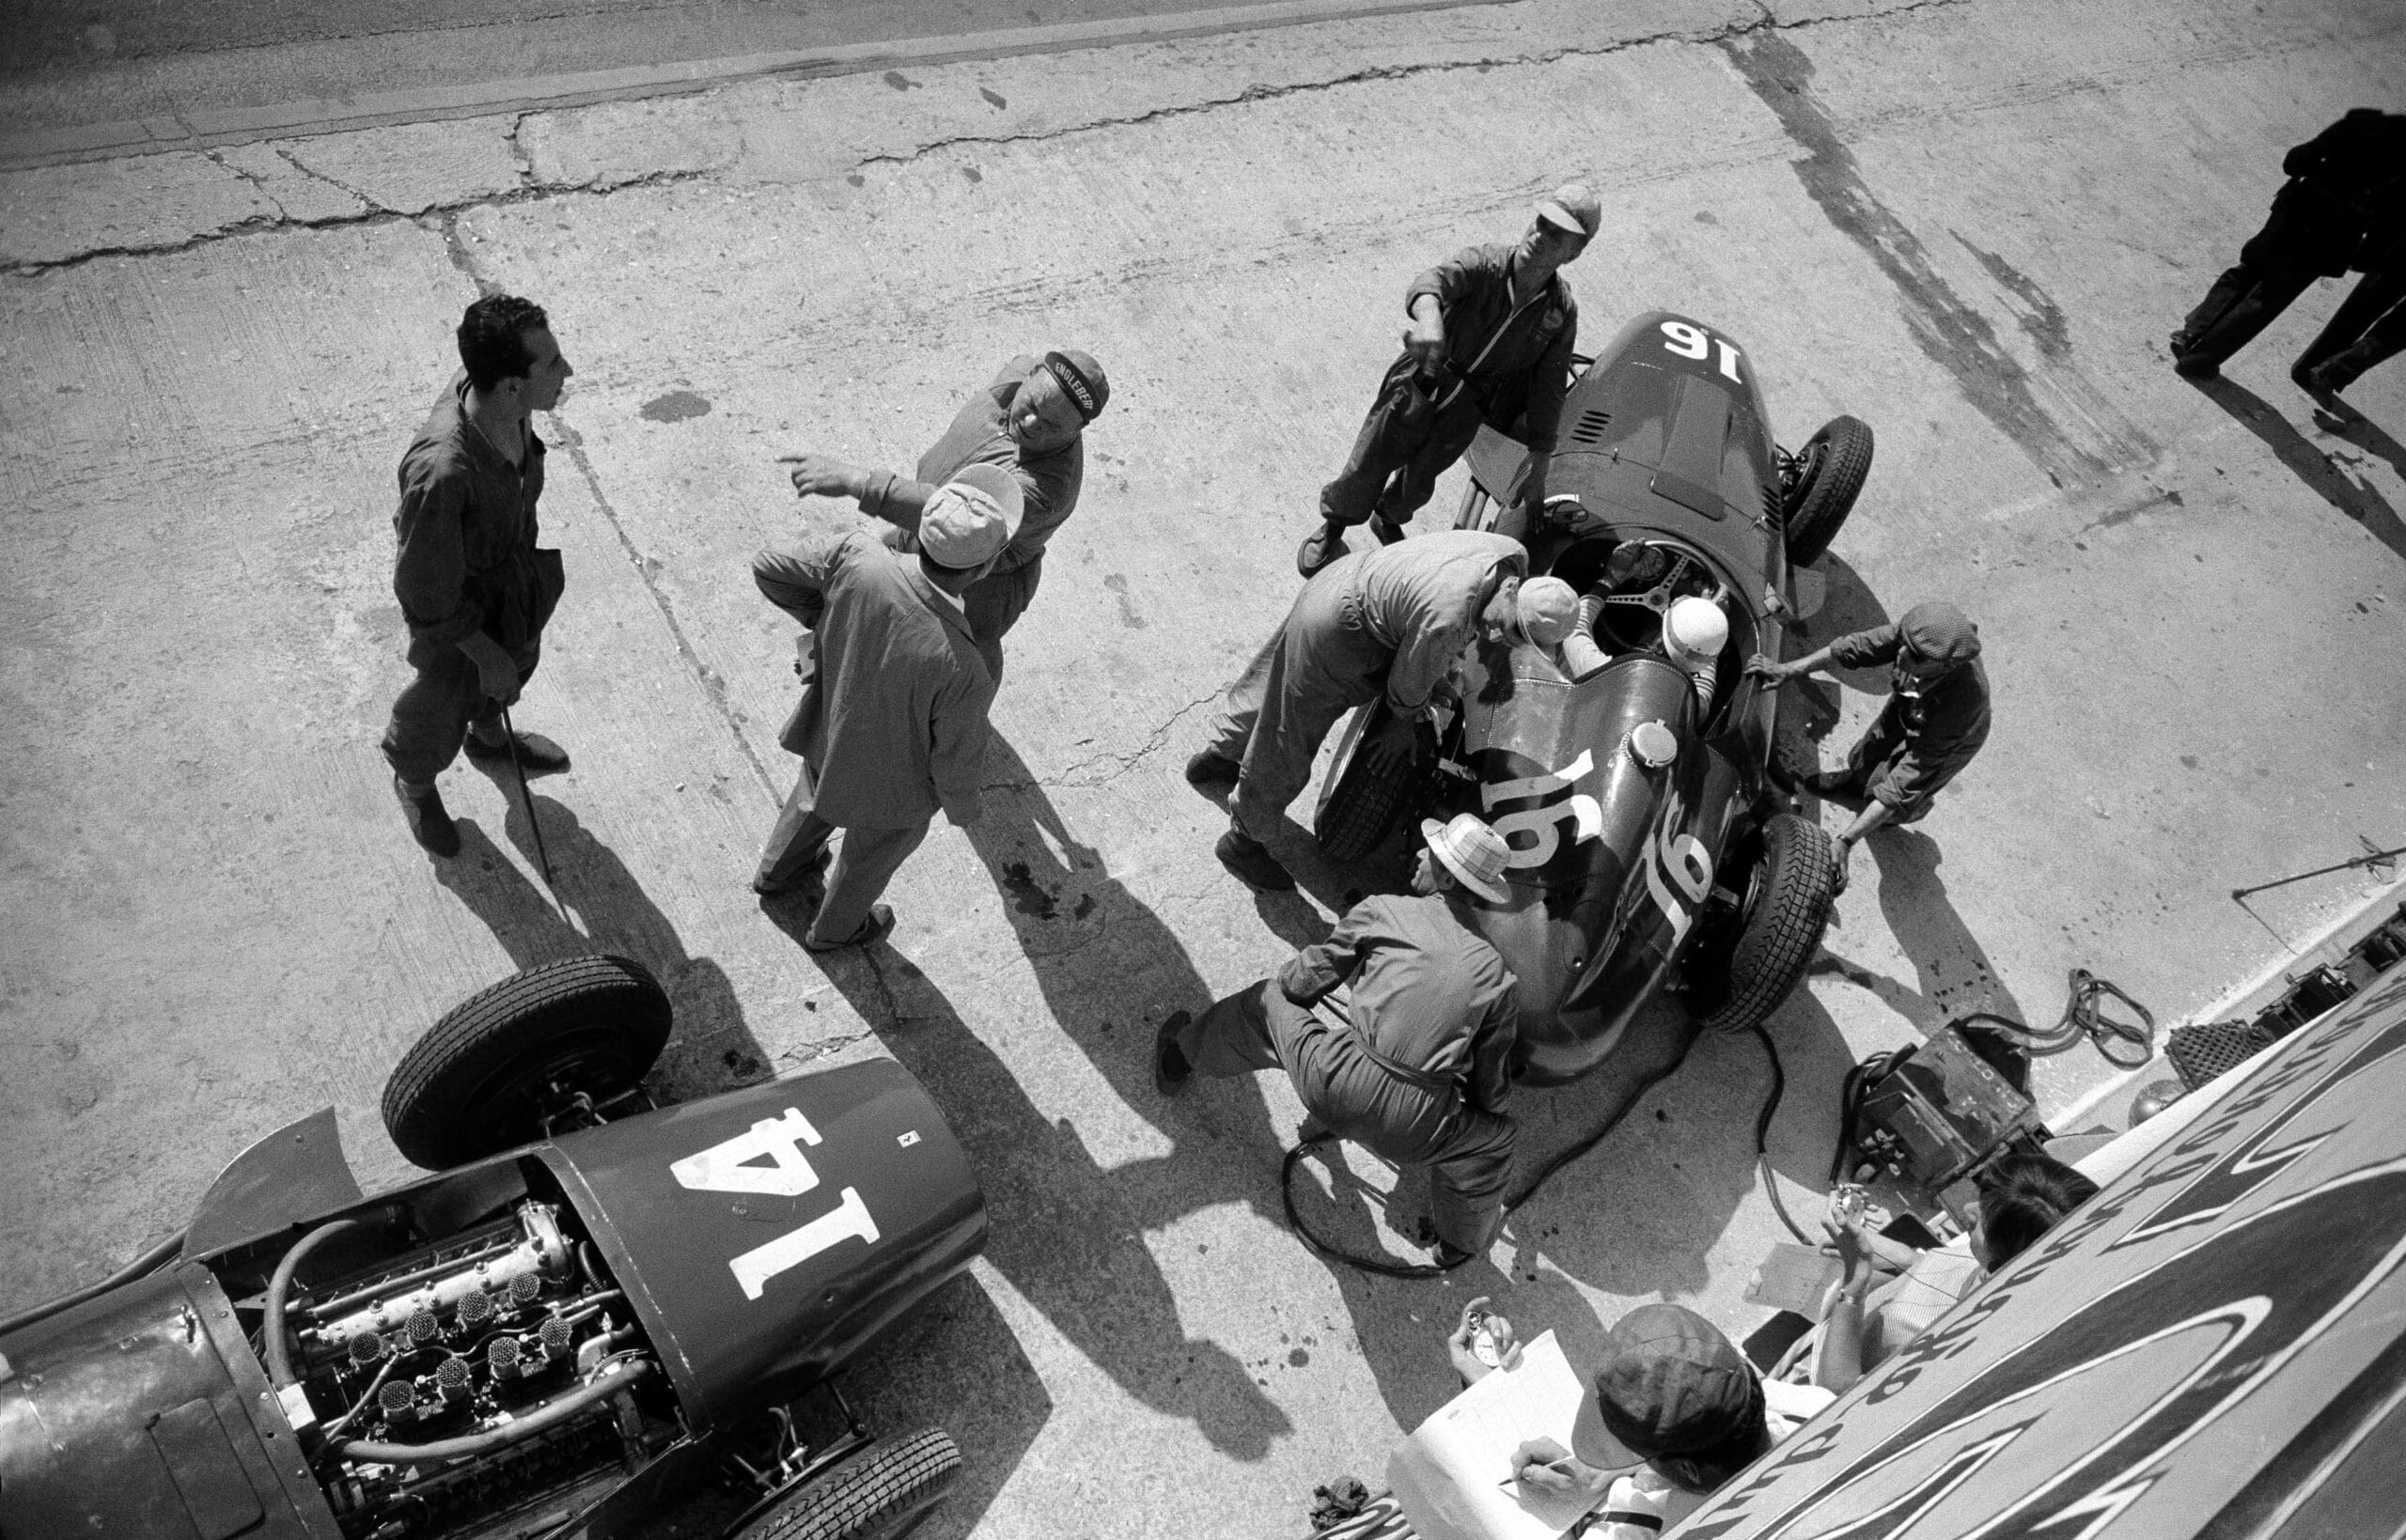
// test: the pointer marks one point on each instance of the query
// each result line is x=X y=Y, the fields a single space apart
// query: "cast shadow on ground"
x=711 y=1047
x=1953 y=974
x=2352 y=496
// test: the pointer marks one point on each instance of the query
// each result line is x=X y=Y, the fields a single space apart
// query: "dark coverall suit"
x=1527 y=371
x=1415 y=1068
x=1048 y=484
x=1391 y=620
x=2316 y=224
x=467 y=563
x=2370 y=326
x=1925 y=733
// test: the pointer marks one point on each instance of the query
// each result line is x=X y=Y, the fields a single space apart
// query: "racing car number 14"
x=730 y=1166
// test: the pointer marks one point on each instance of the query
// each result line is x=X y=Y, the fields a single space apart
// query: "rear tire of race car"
x=1787 y=907
x=1838 y=461
x=878 y=1494
x=464 y=1091
x=1358 y=808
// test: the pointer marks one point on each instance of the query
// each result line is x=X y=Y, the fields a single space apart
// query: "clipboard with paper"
x=1452 y=1475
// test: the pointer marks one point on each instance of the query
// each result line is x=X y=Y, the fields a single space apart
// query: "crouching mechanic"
x=1390 y=621
x=1030 y=420
x=892 y=722
x=1935 y=720
x=1413 y=1064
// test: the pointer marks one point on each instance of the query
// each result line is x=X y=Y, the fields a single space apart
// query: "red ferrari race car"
x=1649 y=850
x=596 y=1303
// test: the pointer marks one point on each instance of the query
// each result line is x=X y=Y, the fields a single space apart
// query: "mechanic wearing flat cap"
x=1935 y=720
x=1392 y=621
x=892 y=722
x=1677 y=1411
x=1414 y=1063
x=1030 y=421
x=1490 y=341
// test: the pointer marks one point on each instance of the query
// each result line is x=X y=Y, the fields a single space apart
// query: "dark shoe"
x=1385 y=529
x=2195 y=366
x=430 y=825
x=1211 y=774
x=1167 y=1080
x=2332 y=376
x=1452 y=1256
x=880 y=921
x=1250 y=862
x=540 y=755
x=811 y=881
x=1319 y=548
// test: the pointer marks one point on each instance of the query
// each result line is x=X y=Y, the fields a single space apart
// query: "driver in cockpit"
x=1694 y=632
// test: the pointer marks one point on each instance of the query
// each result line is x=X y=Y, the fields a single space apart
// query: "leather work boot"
x=1212 y=774
x=1250 y=861
x=1385 y=529
x=880 y=921
x=1319 y=548
x=430 y=825
x=538 y=755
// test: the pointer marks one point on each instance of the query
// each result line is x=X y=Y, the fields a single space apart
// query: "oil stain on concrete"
x=1946 y=327
x=677 y=405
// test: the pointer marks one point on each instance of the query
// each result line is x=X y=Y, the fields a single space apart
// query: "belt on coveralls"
x=1335 y=1016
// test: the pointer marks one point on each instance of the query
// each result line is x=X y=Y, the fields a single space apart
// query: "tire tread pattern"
x=1831 y=496
x=890 y=1480
x=1781 y=936
x=476 y=1034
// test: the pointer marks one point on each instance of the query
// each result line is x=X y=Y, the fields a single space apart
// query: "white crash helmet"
x=1695 y=627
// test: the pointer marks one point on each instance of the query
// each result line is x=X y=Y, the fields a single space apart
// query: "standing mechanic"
x=1030 y=421
x=1489 y=340
x=1935 y=720
x=1391 y=620
x=2370 y=326
x=892 y=722
x=2316 y=224
x=473 y=587
x=1415 y=1064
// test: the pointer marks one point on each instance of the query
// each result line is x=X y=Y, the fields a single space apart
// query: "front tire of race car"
x=1786 y=907
x=1358 y=807
x=878 y=1494
x=482 y=1079
x=1832 y=468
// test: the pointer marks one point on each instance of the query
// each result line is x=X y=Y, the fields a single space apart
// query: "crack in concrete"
x=374 y=214
x=518 y=152
x=254 y=178
x=315 y=175
x=1122 y=763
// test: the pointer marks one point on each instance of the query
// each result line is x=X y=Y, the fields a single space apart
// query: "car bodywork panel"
x=295 y=1171
x=1664 y=443
x=143 y=1412
x=764 y=1235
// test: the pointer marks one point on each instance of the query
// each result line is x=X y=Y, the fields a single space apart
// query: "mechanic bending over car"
x=1392 y=620
x=1934 y=721
x=1414 y=1062
x=1030 y=420
x=1490 y=341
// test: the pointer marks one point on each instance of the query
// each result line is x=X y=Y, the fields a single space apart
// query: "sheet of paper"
x=1453 y=1476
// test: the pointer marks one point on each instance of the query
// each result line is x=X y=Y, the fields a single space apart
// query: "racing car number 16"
x=1689 y=341
x=728 y=1166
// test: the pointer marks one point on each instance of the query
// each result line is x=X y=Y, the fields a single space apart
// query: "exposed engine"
x=468 y=1379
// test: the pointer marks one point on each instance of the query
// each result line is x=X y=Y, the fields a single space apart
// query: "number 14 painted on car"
x=728 y=1166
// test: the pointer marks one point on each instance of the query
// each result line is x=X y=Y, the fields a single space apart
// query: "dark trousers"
x=1403 y=447
x=2368 y=326
x=2242 y=302
x=865 y=859
x=434 y=710
x=1469 y=1153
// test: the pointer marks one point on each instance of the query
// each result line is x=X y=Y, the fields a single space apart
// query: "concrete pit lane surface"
x=1970 y=224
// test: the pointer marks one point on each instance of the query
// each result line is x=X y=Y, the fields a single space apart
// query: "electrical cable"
x=1762 y=1140
x=141 y=1266
x=279 y=1356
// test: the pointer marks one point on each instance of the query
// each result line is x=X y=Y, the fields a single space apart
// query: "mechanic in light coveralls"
x=1935 y=720
x=1390 y=620
x=1414 y=1064
x=1030 y=421
x=1489 y=340
x=891 y=726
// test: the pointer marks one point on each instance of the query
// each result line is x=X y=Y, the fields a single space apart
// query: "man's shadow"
x=1849 y=605
x=711 y=1048
x=2352 y=496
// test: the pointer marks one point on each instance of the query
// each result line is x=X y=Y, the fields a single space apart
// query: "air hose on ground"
x=1389 y=1267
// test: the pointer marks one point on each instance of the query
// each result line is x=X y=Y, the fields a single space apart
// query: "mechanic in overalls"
x=1388 y=621
x=1414 y=1062
x=1030 y=422
x=1489 y=340
x=1935 y=720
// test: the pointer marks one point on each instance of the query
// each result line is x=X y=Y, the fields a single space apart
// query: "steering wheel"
x=1658 y=599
